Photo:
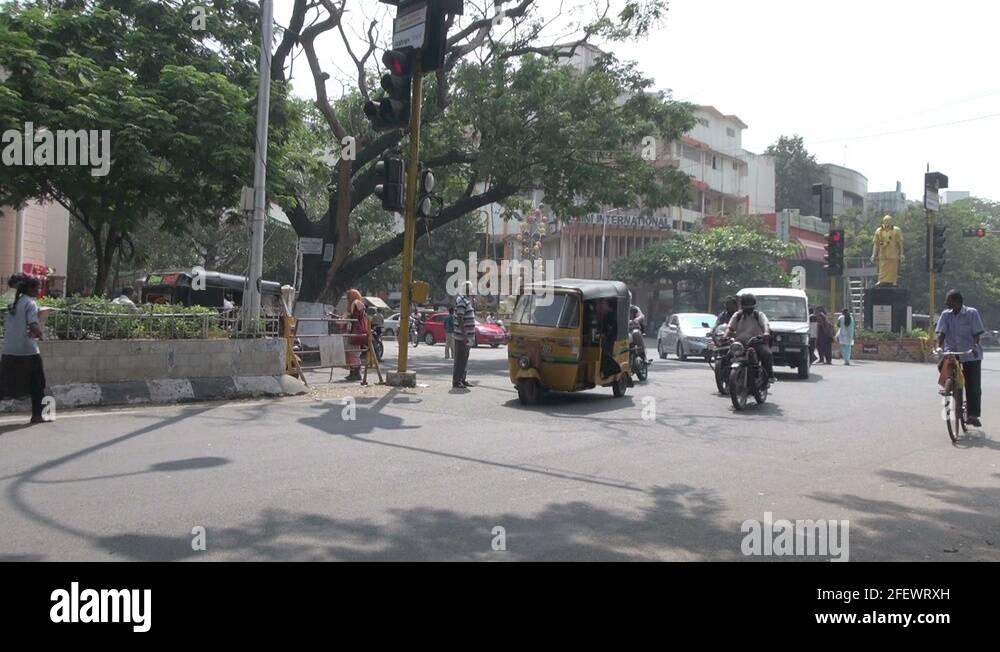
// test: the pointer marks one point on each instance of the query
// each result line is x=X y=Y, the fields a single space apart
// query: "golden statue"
x=887 y=246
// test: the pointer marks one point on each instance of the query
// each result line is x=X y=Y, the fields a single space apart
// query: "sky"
x=885 y=87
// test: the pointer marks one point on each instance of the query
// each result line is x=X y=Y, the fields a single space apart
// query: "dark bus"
x=176 y=288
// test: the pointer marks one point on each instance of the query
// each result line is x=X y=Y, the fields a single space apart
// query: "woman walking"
x=845 y=335
x=358 y=328
x=824 y=337
x=21 y=372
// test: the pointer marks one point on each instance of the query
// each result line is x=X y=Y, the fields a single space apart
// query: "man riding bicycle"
x=749 y=323
x=959 y=329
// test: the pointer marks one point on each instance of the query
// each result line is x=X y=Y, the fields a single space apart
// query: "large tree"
x=795 y=171
x=178 y=102
x=503 y=116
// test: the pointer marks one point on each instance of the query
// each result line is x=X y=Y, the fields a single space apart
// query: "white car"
x=391 y=325
x=684 y=334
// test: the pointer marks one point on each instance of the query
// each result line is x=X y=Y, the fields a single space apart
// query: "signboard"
x=410 y=27
x=331 y=351
x=869 y=348
x=310 y=246
x=882 y=318
x=631 y=221
x=931 y=201
x=328 y=253
x=799 y=278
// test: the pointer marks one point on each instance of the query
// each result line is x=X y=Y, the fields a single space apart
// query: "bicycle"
x=953 y=393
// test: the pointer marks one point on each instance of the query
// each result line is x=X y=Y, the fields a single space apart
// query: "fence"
x=74 y=324
x=326 y=349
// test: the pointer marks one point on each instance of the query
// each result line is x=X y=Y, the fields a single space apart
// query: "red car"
x=491 y=334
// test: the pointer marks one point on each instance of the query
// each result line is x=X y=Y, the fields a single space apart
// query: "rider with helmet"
x=749 y=323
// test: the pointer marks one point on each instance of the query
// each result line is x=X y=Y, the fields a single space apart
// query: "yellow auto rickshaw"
x=569 y=335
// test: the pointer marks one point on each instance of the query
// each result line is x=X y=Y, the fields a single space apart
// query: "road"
x=431 y=473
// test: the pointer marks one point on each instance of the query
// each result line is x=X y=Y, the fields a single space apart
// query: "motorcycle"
x=746 y=375
x=637 y=352
x=719 y=359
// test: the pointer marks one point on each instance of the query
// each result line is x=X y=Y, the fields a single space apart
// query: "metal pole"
x=410 y=217
x=833 y=279
x=604 y=230
x=251 y=303
x=931 y=276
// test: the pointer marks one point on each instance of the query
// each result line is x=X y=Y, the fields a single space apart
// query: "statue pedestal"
x=885 y=308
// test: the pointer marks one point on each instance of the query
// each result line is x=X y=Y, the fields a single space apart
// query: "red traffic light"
x=835 y=236
x=980 y=232
x=398 y=62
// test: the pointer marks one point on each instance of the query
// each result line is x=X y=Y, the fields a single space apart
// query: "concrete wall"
x=122 y=360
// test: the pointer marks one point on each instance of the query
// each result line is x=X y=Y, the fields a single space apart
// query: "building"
x=952 y=196
x=892 y=202
x=34 y=240
x=850 y=188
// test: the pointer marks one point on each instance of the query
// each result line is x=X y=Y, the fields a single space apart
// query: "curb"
x=164 y=391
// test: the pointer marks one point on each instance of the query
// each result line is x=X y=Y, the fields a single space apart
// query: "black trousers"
x=461 y=362
x=973 y=387
x=766 y=358
x=824 y=345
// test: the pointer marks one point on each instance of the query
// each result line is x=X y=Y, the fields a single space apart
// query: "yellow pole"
x=410 y=217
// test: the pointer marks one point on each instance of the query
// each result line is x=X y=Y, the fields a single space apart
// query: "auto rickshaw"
x=569 y=335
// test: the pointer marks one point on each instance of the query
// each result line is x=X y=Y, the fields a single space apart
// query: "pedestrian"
x=21 y=372
x=465 y=334
x=959 y=329
x=449 y=334
x=845 y=335
x=824 y=337
x=358 y=328
x=812 y=336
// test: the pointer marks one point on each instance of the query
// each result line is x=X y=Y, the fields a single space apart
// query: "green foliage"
x=76 y=318
x=732 y=256
x=915 y=334
x=795 y=170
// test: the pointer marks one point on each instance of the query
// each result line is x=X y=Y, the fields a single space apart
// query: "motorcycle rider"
x=749 y=323
x=732 y=306
x=637 y=321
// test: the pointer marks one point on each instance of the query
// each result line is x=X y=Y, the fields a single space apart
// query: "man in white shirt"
x=125 y=298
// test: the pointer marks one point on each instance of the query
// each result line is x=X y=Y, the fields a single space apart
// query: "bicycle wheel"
x=960 y=410
x=949 y=412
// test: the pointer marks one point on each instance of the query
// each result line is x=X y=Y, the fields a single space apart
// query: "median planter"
x=902 y=350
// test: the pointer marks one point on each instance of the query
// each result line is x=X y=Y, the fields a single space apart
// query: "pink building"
x=35 y=240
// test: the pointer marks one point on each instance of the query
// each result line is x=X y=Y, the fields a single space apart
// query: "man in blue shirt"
x=959 y=329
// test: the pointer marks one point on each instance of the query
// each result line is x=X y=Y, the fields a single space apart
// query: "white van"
x=787 y=311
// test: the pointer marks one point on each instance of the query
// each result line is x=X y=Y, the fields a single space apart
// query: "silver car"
x=686 y=334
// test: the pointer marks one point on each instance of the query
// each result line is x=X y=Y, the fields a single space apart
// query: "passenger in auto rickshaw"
x=602 y=324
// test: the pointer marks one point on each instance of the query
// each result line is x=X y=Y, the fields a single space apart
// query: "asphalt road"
x=432 y=473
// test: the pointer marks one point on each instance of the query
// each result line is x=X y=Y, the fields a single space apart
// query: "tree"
x=720 y=260
x=795 y=171
x=516 y=118
x=177 y=103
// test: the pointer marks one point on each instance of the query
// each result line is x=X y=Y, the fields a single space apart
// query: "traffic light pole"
x=833 y=278
x=410 y=218
x=932 y=277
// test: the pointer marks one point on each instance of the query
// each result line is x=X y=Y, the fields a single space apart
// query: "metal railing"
x=75 y=324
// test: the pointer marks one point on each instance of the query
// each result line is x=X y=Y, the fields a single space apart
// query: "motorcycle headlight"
x=524 y=362
x=736 y=349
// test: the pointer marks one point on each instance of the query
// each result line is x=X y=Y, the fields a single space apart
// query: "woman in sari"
x=358 y=315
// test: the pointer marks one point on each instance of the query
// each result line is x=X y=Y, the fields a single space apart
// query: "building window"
x=714 y=163
x=703 y=122
x=730 y=132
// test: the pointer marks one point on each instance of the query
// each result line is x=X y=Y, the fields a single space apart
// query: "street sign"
x=931 y=200
x=410 y=27
x=799 y=278
x=310 y=246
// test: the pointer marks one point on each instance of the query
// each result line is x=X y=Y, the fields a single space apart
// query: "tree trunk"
x=104 y=249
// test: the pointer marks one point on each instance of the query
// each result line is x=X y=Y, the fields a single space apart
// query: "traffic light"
x=393 y=110
x=835 y=252
x=939 y=250
x=427 y=201
x=979 y=232
x=390 y=191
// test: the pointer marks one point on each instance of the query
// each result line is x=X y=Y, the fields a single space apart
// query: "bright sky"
x=883 y=86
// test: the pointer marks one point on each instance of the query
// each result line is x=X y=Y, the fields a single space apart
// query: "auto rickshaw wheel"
x=529 y=390
x=619 y=387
